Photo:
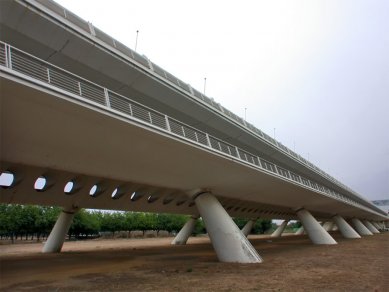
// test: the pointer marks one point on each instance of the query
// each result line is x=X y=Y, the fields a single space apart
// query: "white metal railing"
x=27 y=64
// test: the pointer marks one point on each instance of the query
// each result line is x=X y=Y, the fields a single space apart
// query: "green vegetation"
x=25 y=221
x=260 y=226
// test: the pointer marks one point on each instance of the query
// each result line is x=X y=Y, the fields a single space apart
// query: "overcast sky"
x=316 y=71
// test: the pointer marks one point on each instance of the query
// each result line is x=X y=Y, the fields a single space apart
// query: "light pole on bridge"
x=136 y=39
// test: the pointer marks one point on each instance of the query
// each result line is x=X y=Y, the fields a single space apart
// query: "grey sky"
x=317 y=71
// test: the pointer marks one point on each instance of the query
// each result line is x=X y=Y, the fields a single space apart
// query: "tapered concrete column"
x=315 y=231
x=300 y=231
x=186 y=231
x=345 y=228
x=370 y=226
x=328 y=225
x=228 y=241
x=280 y=229
x=58 y=233
x=361 y=229
x=248 y=227
x=376 y=225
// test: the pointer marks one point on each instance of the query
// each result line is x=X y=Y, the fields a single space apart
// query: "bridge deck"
x=60 y=132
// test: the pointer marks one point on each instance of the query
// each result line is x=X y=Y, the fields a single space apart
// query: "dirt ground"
x=291 y=263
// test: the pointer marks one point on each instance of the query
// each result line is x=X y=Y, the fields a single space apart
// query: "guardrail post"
x=6 y=55
x=183 y=131
x=9 y=56
x=197 y=138
x=79 y=88
x=208 y=140
x=259 y=162
x=237 y=153
x=167 y=123
x=48 y=75
x=277 y=170
x=289 y=175
x=107 y=97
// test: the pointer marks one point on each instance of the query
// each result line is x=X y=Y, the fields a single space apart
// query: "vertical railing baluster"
x=6 y=55
x=106 y=95
x=9 y=57
x=197 y=138
x=259 y=162
x=48 y=75
x=208 y=140
x=277 y=170
x=237 y=153
x=79 y=88
x=150 y=118
x=183 y=131
x=220 y=147
x=167 y=123
x=288 y=173
x=228 y=148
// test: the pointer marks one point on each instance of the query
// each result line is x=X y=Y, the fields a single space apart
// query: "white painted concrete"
x=345 y=228
x=328 y=225
x=248 y=227
x=315 y=231
x=280 y=229
x=361 y=229
x=128 y=167
x=300 y=231
x=370 y=227
x=228 y=241
x=58 y=233
x=185 y=232
x=376 y=225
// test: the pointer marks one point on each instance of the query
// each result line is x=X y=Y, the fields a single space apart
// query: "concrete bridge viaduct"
x=86 y=122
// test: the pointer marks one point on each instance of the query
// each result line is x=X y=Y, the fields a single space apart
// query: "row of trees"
x=17 y=221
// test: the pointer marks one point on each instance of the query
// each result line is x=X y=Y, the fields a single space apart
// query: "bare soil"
x=291 y=263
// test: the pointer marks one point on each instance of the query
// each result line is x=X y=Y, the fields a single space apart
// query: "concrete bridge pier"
x=328 y=226
x=280 y=229
x=345 y=228
x=315 y=231
x=379 y=226
x=248 y=227
x=58 y=233
x=376 y=225
x=186 y=231
x=361 y=229
x=370 y=227
x=229 y=242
